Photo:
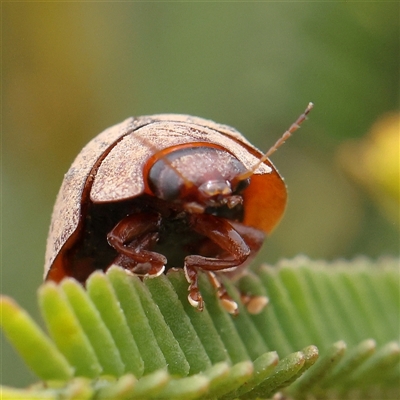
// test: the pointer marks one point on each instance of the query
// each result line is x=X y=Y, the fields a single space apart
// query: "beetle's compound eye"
x=164 y=180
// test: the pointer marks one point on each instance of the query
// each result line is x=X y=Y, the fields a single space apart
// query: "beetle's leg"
x=254 y=304
x=254 y=239
x=194 y=297
x=139 y=245
x=130 y=237
x=227 y=302
x=222 y=233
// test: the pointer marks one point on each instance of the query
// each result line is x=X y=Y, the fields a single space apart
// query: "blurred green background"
x=70 y=70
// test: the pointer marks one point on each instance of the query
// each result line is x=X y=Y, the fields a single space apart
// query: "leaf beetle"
x=166 y=191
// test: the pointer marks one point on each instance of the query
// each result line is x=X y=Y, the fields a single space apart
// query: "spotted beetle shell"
x=109 y=169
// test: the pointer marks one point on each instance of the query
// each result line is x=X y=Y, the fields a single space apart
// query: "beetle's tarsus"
x=226 y=301
x=196 y=300
x=254 y=304
x=230 y=306
x=156 y=271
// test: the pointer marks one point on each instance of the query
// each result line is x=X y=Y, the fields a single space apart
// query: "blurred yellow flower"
x=374 y=162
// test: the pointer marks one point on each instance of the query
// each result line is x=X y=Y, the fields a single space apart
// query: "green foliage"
x=122 y=338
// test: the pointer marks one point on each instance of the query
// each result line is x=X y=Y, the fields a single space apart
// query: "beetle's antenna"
x=286 y=135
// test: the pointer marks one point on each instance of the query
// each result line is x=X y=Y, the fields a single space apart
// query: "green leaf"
x=284 y=372
x=122 y=338
x=66 y=331
x=323 y=368
x=94 y=327
x=103 y=296
x=31 y=342
x=175 y=317
x=201 y=321
x=137 y=319
x=263 y=367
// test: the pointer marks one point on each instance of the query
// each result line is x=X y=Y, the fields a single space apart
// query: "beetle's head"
x=201 y=176
x=198 y=177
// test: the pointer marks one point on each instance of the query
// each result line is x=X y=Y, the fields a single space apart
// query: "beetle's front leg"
x=194 y=297
x=223 y=234
x=131 y=237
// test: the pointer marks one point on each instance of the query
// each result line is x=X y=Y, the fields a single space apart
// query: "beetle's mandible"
x=166 y=191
